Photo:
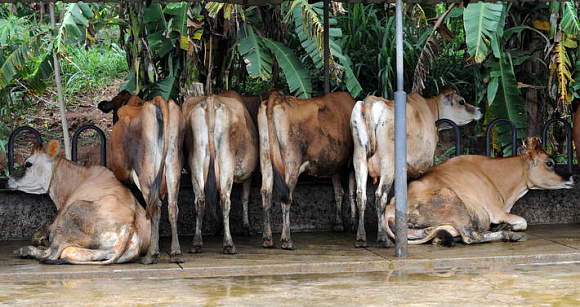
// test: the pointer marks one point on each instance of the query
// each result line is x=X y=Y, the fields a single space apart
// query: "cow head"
x=540 y=167
x=115 y=103
x=35 y=174
x=454 y=107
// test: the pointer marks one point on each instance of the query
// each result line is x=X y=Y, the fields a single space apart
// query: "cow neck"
x=433 y=104
x=65 y=178
x=511 y=184
x=524 y=171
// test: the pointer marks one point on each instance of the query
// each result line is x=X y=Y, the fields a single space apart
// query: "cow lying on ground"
x=146 y=149
x=373 y=133
x=222 y=145
x=297 y=136
x=465 y=195
x=98 y=221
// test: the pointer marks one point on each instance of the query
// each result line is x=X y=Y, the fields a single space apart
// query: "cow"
x=222 y=145
x=373 y=133
x=146 y=150
x=463 y=196
x=302 y=136
x=98 y=220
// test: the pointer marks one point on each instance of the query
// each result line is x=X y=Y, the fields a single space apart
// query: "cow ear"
x=52 y=148
x=105 y=106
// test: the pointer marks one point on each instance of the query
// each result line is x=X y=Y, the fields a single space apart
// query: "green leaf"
x=19 y=60
x=297 y=76
x=481 y=22
x=258 y=62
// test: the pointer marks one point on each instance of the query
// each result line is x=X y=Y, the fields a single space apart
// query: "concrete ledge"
x=321 y=253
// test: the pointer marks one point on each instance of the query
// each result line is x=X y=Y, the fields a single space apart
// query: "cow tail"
x=210 y=188
x=162 y=117
x=281 y=188
x=367 y=114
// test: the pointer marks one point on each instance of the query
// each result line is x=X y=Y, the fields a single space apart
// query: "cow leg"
x=470 y=237
x=381 y=196
x=30 y=252
x=153 y=251
x=266 y=191
x=197 y=243
x=247 y=185
x=286 y=238
x=352 y=200
x=173 y=176
x=338 y=194
x=228 y=243
x=361 y=174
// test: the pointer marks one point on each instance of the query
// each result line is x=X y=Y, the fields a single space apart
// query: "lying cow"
x=222 y=144
x=297 y=136
x=373 y=133
x=465 y=195
x=98 y=221
x=146 y=149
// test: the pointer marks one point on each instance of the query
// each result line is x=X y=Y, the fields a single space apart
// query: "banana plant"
x=565 y=57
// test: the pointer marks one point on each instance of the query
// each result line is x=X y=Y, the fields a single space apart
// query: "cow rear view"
x=146 y=149
x=98 y=221
x=222 y=146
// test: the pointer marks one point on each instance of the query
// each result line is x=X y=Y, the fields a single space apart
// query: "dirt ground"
x=44 y=116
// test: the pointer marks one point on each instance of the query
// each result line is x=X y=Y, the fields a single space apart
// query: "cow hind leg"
x=352 y=200
x=153 y=251
x=338 y=194
x=30 y=252
x=245 y=201
x=286 y=238
x=381 y=196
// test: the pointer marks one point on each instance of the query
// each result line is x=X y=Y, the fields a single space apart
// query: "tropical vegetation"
x=515 y=60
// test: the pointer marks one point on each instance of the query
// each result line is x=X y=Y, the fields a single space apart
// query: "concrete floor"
x=325 y=269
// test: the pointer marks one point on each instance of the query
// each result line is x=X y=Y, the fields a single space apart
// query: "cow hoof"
x=288 y=245
x=385 y=243
x=195 y=250
x=177 y=258
x=29 y=252
x=338 y=228
x=230 y=250
x=360 y=244
x=268 y=243
x=149 y=259
x=513 y=236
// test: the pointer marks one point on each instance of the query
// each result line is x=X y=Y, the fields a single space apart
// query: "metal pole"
x=400 y=145
x=65 y=135
x=326 y=47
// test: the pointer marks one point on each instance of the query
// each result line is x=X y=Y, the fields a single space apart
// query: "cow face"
x=454 y=107
x=34 y=176
x=541 y=173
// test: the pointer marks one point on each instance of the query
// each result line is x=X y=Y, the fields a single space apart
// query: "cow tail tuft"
x=281 y=189
x=162 y=117
x=445 y=238
x=211 y=186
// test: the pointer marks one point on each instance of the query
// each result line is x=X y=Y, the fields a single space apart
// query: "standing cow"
x=463 y=196
x=222 y=144
x=302 y=135
x=373 y=133
x=98 y=221
x=146 y=149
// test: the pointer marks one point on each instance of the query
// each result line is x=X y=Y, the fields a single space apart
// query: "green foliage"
x=298 y=78
x=482 y=22
x=258 y=60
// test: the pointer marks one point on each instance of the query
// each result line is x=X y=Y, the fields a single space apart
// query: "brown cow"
x=302 y=135
x=463 y=196
x=374 y=152
x=98 y=221
x=222 y=144
x=146 y=149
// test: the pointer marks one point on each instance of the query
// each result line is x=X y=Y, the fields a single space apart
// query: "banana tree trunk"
x=61 y=102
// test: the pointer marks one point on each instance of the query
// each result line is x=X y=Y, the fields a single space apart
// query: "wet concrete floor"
x=326 y=270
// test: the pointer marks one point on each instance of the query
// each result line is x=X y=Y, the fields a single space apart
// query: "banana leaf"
x=482 y=21
x=298 y=78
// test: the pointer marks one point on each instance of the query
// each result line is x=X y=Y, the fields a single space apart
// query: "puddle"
x=521 y=285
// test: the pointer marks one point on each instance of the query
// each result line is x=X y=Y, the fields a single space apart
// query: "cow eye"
x=462 y=102
x=27 y=164
x=550 y=163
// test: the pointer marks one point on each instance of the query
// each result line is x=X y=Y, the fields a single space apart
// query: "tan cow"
x=98 y=221
x=373 y=133
x=146 y=149
x=302 y=135
x=222 y=144
x=463 y=196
